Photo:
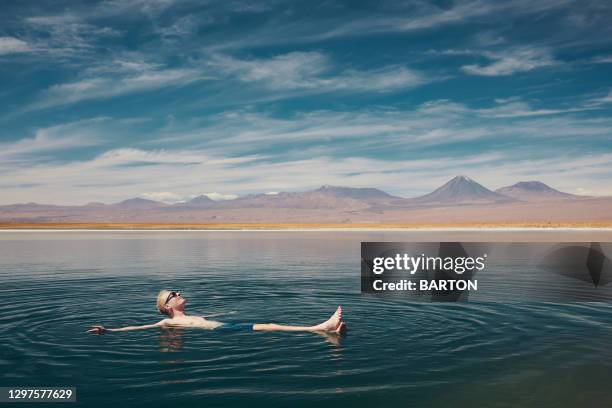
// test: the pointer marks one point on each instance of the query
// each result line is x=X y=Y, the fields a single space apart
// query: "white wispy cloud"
x=400 y=17
x=315 y=71
x=238 y=132
x=423 y=16
x=56 y=138
x=183 y=27
x=515 y=108
x=511 y=61
x=602 y=59
x=137 y=79
x=76 y=32
x=603 y=100
x=132 y=156
x=438 y=123
x=12 y=45
x=66 y=35
x=123 y=64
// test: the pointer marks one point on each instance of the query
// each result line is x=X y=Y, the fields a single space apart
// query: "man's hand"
x=97 y=330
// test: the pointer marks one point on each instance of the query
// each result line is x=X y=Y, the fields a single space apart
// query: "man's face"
x=177 y=302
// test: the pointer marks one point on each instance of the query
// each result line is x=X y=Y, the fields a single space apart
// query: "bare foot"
x=334 y=324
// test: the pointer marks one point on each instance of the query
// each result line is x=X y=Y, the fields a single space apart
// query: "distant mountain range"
x=461 y=197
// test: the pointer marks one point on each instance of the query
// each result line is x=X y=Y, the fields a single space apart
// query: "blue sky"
x=170 y=99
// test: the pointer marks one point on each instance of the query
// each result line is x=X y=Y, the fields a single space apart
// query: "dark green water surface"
x=489 y=352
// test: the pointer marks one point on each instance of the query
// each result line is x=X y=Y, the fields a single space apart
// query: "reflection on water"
x=507 y=352
x=170 y=339
x=334 y=340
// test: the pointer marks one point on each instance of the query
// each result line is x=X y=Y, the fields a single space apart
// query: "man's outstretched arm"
x=102 y=329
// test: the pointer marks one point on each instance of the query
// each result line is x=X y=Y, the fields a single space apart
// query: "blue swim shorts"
x=235 y=327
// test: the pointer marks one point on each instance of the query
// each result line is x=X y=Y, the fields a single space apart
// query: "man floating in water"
x=172 y=304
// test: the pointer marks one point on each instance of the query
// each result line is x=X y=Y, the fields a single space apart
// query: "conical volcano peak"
x=462 y=178
x=461 y=189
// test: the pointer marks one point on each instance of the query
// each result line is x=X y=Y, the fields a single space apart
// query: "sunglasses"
x=172 y=294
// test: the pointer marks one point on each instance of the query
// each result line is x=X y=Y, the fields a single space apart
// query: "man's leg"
x=333 y=324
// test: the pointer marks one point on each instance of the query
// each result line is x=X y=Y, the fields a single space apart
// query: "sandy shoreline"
x=302 y=227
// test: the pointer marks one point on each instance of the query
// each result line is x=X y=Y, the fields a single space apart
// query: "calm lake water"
x=501 y=351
